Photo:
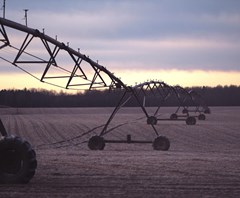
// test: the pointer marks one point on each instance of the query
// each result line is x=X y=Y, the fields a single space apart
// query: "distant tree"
x=214 y=96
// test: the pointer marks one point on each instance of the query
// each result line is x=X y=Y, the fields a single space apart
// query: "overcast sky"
x=142 y=34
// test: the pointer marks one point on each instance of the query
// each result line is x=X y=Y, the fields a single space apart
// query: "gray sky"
x=142 y=34
x=166 y=34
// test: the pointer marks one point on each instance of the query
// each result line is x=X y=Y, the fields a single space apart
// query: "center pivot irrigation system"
x=17 y=158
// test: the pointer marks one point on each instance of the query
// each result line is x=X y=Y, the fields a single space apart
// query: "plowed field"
x=203 y=160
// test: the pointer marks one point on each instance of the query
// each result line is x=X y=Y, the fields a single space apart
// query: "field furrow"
x=203 y=160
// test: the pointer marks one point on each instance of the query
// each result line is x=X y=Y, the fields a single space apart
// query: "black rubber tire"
x=152 y=120
x=17 y=160
x=174 y=116
x=161 y=143
x=96 y=143
x=202 y=117
x=191 y=120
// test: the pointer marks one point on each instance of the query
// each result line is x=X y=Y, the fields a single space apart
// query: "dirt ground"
x=203 y=160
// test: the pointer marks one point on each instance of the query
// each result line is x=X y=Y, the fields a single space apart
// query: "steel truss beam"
x=156 y=89
x=189 y=101
x=200 y=103
x=162 y=92
x=5 y=39
x=184 y=97
x=101 y=77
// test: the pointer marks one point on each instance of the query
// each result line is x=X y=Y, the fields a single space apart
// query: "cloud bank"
x=139 y=34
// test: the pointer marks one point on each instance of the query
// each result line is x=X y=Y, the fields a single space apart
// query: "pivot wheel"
x=191 y=121
x=202 y=117
x=96 y=143
x=152 y=120
x=174 y=116
x=161 y=143
x=17 y=160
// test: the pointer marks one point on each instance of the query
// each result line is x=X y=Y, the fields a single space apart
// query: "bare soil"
x=203 y=160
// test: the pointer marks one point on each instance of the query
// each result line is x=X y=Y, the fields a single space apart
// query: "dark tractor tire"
x=96 y=143
x=17 y=161
x=191 y=121
x=161 y=143
x=174 y=116
x=184 y=111
x=202 y=117
x=152 y=120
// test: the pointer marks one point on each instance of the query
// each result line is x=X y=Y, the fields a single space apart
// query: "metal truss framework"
x=200 y=103
x=5 y=37
x=160 y=91
x=153 y=88
x=190 y=102
x=101 y=78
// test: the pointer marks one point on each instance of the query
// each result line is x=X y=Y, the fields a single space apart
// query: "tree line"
x=213 y=96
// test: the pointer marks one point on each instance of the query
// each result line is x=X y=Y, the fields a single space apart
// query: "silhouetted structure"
x=214 y=96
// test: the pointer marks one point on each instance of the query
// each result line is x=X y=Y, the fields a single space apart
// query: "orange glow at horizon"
x=131 y=77
x=182 y=77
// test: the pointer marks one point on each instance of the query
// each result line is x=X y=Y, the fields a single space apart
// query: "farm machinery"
x=190 y=102
x=160 y=92
x=17 y=157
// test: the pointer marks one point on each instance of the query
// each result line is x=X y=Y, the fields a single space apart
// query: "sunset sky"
x=185 y=42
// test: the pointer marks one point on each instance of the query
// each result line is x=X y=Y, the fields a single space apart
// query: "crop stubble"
x=203 y=160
